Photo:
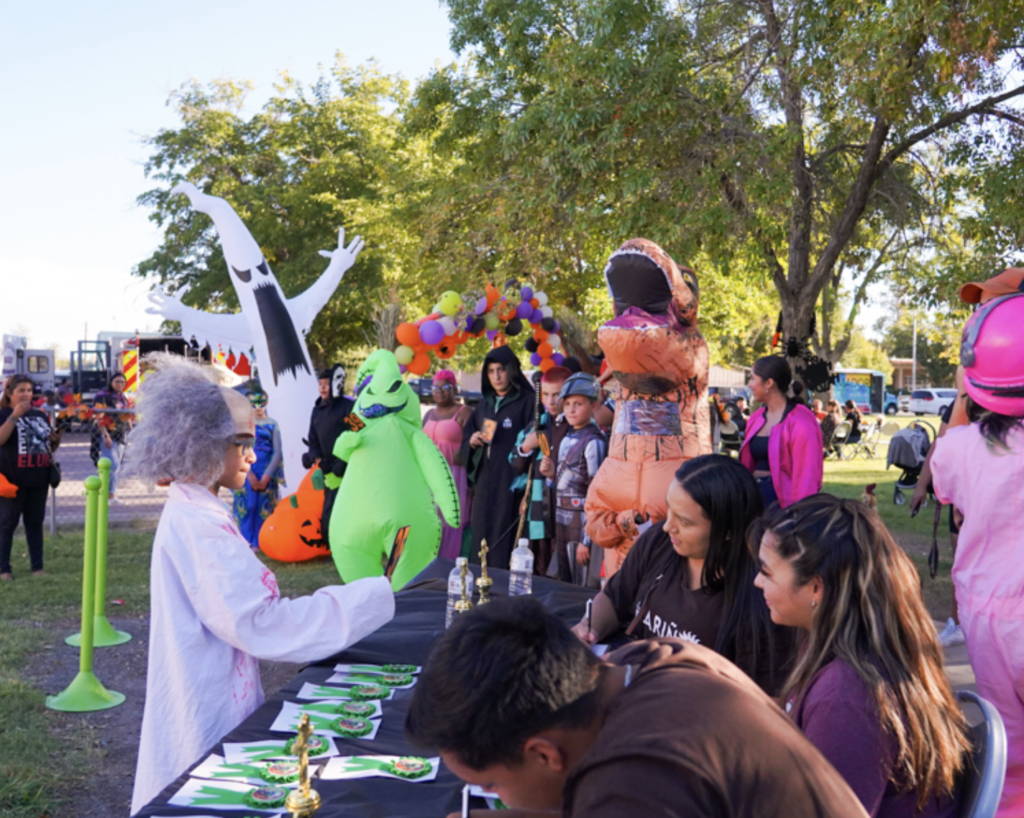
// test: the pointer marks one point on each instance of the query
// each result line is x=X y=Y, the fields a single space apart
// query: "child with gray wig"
x=215 y=608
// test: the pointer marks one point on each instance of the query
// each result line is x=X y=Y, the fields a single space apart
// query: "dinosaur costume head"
x=640 y=275
x=382 y=391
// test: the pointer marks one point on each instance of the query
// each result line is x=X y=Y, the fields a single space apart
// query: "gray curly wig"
x=184 y=428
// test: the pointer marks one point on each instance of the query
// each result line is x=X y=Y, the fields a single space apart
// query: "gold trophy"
x=465 y=603
x=484 y=583
x=303 y=802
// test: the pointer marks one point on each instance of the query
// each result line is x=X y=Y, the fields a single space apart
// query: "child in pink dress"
x=980 y=469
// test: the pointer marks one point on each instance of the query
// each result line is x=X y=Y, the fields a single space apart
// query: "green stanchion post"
x=86 y=693
x=105 y=635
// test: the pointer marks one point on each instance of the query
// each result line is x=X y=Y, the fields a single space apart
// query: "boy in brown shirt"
x=515 y=703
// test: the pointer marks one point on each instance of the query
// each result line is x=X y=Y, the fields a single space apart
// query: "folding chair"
x=983 y=780
x=836 y=443
x=868 y=443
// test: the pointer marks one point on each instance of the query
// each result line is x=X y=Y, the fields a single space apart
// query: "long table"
x=407 y=639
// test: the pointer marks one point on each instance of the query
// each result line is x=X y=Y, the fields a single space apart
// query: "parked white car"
x=904 y=402
x=931 y=401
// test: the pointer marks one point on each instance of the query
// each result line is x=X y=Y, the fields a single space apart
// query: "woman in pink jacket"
x=783 y=448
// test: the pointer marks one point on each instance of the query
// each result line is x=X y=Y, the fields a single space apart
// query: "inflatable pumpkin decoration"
x=292 y=533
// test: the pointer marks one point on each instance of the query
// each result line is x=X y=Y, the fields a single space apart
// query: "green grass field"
x=45 y=755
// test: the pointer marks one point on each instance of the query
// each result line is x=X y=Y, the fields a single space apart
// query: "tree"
x=310 y=161
x=806 y=139
x=938 y=342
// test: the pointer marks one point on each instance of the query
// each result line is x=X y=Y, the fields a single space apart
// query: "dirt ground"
x=115 y=731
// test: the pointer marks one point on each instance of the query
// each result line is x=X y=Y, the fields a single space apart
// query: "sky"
x=83 y=84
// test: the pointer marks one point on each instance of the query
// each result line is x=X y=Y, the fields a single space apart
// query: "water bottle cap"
x=460 y=561
x=524 y=543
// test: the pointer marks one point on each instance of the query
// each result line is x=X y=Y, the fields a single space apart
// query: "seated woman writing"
x=869 y=690
x=691 y=576
x=215 y=608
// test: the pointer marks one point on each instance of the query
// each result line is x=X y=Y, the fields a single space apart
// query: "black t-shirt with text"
x=673 y=609
x=25 y=458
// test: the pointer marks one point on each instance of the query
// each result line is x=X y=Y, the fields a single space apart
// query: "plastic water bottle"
x=520 y=578
x=455 y=589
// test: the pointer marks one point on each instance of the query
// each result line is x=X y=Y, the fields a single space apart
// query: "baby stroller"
x=908 y=450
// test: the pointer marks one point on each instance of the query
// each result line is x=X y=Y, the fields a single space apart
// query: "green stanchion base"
x=83 y=695
x=104 y=635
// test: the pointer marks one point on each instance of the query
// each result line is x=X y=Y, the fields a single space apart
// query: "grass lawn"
x=45 y=756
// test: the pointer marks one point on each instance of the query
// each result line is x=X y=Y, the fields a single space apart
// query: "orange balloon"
x=445 y=349
x=419 y=364
x=546 y=364
x=540 y=335
x=535 y=303
x=461 y=336
x=545 y=350
x=407 y=334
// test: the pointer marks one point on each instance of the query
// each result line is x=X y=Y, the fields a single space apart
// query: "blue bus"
x=866 y=388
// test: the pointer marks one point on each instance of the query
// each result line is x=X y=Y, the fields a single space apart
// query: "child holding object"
x=980 y=469
x=215 y=609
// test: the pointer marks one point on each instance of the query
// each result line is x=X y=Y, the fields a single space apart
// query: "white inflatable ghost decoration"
x=270 y=325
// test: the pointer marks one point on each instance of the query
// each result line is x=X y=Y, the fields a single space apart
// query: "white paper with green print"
x=327 y=707
x=287 y=721
x=377 y=669
x=198 y=792
x=216 y=768
x=340 y=768
x=493 y=802
x=352 y=679
x=253 y=752
x=312 y=692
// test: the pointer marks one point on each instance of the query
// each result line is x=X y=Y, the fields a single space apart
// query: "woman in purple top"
x=869 y=690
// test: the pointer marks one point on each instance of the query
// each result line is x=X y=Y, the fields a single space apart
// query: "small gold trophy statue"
x=484 y=583
x=302 y=801
x=465 y=603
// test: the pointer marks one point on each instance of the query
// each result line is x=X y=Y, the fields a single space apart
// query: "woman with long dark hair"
x=691 y=576
x=27 y=443
x=783 y=444
x=868 y=689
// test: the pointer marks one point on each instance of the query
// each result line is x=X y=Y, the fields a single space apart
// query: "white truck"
x=18 y=359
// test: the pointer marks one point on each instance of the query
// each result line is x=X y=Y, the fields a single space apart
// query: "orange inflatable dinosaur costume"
x=660 y=363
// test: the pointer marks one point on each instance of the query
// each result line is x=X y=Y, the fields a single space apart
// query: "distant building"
x=903 y=374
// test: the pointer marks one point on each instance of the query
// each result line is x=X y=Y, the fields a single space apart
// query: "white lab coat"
x=215 y=609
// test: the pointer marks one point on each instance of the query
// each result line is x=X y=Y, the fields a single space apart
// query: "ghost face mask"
x=338 y=381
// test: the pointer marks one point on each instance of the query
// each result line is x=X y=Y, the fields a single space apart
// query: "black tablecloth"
x=419 y=619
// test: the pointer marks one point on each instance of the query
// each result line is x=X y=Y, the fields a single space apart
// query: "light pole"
x=913 y=371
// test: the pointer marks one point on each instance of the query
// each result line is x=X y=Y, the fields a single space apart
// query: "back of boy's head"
x=502 y=673
x=583 y=385
x=555 y=376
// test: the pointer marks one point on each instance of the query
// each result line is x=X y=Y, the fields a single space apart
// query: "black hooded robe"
x=495 y=505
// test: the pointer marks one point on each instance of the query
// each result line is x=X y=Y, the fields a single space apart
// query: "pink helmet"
x=993 y=356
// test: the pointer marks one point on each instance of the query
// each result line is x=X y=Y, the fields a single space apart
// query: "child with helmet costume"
x=979 y=468
x=580 y=454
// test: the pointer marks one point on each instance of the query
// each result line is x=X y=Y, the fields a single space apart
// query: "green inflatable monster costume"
x=385 y=509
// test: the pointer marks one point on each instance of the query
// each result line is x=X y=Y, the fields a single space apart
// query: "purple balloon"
x=558 y=327
x=558 y=358
x=469 y=322
x=481 y=306
x=402 y=368
x=537 y=316
x=527 y=293
x=491 y=334
x=534 y=359
x=431 y=332
x=524 y=310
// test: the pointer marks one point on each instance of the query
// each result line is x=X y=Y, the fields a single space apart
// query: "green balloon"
x=450 y=303
x=395 y=476
x=491 y=321
x=404 y=355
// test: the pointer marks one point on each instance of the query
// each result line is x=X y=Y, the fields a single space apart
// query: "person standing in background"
x=443 y=424
x=257 y=499
x=26 y=458
x=487 y=440
x=326 y=424
x=110 y=431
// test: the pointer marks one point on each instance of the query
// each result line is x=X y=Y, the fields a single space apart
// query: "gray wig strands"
x=184 y=425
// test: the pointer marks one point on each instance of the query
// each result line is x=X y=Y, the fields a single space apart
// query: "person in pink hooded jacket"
x=783 y=447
